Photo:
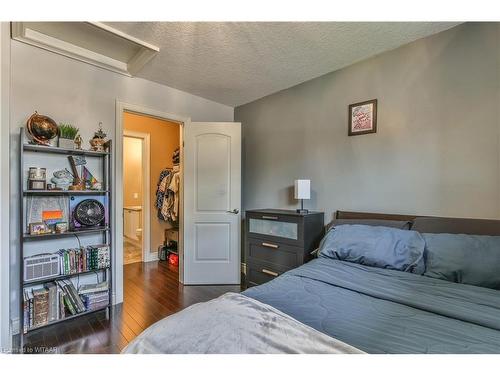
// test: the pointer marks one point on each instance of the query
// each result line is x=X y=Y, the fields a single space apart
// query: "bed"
x=337 y=306
x=388 y=311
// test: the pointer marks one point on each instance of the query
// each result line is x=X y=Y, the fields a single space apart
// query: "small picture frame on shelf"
x=37 y=228
x=61 y=227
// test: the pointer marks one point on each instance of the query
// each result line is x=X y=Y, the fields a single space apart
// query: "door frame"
x=147 y=256
x=117 y=212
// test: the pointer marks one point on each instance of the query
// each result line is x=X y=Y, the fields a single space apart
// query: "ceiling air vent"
x=91 y=42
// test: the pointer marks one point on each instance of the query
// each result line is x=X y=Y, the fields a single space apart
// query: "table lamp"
x=302 y=191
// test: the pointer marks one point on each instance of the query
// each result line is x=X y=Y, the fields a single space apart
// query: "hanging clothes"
x=167 y=194
x=174 y=188
x=176 y=157
x=161 y=191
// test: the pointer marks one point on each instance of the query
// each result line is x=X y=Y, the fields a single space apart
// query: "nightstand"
x=279 y=240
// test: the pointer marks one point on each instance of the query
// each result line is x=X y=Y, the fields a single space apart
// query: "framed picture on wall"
x=363 y=118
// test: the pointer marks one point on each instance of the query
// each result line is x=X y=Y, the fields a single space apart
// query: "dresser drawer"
x=279 y=240
x=262 y=272
x=275 y=227
x=273 y=252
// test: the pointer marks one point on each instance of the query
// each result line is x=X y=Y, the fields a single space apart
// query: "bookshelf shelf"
x=34 y=291
x=59 y=150
x=33 y=237
x=62 y=277
x=65 y=192
x=69 y=318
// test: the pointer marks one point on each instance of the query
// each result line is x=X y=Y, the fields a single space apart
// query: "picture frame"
x=37 y=228
x=362 y=118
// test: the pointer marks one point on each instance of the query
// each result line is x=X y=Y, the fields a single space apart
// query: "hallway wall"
x=132 y=171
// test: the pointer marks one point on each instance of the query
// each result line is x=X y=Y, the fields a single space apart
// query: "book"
x=53 y=301
x=30 y=308
x=67 y=298
x=40 y=307
x=62 y=310
x=93 y=288
x=26 y=311
x=68 y=304
x=75 y=298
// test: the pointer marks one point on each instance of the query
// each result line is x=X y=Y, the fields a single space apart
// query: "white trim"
x=123 y=35
x=23 y=33
x=146 y=186
x=118 y=189
x=5 y=334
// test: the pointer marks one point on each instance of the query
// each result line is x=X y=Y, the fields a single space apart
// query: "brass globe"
x=42 y=128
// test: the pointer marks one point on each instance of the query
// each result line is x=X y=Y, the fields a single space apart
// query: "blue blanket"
x=387 y=311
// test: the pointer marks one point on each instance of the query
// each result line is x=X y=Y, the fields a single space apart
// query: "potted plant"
x=67 y=134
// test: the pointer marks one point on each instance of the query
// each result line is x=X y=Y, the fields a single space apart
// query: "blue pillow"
x=463 y=258
x=381 y=247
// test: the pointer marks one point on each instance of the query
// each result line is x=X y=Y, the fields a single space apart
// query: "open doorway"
x=136 y=171
x=151 y=188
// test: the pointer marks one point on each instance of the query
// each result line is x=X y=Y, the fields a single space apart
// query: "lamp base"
x=301 y=210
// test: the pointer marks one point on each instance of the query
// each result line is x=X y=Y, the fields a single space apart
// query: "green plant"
x=67 y=131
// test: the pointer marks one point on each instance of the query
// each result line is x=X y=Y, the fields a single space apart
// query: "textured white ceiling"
x=237 y=62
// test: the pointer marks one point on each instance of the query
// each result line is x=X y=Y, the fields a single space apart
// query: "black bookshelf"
x=25 y=237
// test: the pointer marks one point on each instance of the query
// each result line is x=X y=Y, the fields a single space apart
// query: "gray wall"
x=437 y=148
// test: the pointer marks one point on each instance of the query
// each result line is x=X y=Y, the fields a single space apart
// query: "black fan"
x=89 y=212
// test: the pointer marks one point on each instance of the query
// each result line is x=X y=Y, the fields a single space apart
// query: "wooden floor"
x=151 y=292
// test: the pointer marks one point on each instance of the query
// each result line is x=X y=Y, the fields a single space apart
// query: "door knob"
x=235 y=211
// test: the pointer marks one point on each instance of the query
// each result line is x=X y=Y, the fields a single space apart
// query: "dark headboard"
x=371 y=215
x=430 y=224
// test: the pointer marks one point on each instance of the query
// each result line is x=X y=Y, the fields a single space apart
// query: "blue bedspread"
x=386 y=311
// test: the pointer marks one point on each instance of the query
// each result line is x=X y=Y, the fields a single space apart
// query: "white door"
x=212 y=203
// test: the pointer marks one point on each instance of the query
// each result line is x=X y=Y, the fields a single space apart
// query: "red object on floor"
x=173 y=259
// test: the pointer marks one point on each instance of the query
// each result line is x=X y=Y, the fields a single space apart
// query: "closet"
x=168 y=192
x=167 y=205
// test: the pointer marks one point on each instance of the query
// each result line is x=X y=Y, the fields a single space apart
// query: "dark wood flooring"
x=151 y=292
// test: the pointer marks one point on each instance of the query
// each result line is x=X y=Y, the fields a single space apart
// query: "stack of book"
x=95 y=296
x=42 y=305
x=71 y=299
x=84 y=259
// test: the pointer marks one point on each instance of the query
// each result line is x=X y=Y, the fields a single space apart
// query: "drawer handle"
x=272 y=246
x=270 y=217
x=267 y=272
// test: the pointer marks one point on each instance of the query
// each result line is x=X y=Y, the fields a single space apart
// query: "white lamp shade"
x=302 y=189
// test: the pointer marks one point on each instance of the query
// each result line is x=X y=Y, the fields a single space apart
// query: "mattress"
x=386 y=311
